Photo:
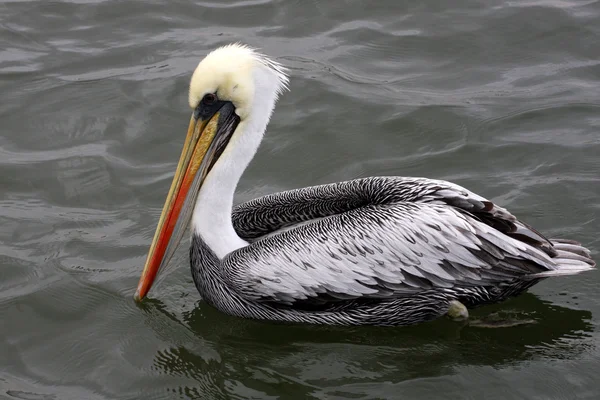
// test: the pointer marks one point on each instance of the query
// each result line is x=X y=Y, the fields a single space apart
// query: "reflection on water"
x=295 y=360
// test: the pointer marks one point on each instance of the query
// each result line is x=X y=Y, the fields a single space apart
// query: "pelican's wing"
x=274 y=212
x=443 y=237
x=280 y=211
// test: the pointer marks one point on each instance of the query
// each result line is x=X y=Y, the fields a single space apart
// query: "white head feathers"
x=252 y=82
x=231 y=72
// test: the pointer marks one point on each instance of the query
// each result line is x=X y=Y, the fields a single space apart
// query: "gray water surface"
x=502 y=97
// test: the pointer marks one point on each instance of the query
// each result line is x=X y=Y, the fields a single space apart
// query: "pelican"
x=374 y=251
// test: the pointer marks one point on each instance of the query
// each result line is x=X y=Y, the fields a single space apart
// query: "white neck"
x=212 y=215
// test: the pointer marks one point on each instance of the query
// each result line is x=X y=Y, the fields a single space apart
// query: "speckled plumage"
x=378 y=251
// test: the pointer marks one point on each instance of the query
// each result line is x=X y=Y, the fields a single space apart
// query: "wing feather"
x=379 y=252
x=383 y=237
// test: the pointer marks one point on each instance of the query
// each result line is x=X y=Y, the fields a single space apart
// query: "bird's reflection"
x=232 y=356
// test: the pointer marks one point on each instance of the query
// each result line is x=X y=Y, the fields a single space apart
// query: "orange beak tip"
x=140 y=293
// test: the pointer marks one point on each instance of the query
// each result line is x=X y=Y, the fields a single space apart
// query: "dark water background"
x=502 y=97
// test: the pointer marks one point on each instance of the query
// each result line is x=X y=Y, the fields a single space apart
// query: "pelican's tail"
x=572 y=258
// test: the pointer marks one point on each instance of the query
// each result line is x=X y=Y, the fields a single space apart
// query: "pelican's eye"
x=209 y=99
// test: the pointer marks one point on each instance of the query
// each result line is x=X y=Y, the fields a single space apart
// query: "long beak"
x=206 y=138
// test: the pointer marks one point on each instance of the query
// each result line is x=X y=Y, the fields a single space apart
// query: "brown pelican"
x=379 y=250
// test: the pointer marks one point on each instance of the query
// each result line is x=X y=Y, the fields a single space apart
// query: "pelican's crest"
x=230 y=72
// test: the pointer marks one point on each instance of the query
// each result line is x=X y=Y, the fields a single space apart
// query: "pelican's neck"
x=212 y=215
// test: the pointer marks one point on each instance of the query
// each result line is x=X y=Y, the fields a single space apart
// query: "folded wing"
x=388 y=237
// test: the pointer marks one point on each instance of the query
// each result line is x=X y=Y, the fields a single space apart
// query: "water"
x=501 y=97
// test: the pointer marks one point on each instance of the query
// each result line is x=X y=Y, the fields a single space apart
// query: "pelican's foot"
x=457 y=311
x=497 y=320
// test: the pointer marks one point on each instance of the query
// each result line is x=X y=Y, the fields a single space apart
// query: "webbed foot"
x=457 y=311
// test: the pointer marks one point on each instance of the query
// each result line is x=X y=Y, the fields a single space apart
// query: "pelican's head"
x=237 y=74
x=232 y=94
